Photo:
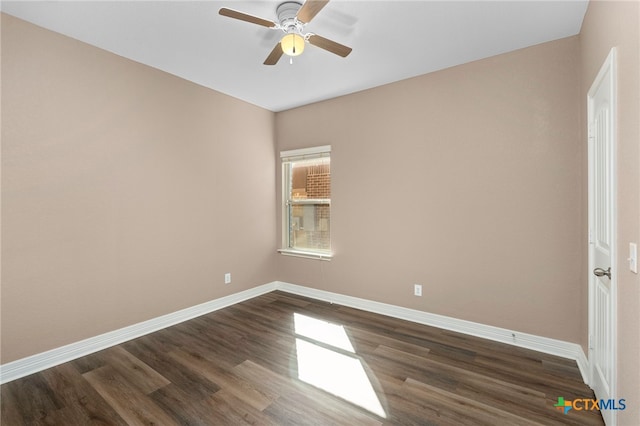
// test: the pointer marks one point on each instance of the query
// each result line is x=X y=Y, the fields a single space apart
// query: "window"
x=306 y=210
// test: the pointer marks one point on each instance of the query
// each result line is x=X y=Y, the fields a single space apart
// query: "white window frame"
x=287 y=157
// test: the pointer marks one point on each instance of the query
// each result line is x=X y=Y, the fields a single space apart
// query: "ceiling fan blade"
x=274 y=56
x=330 y=45
x=247 y=18
x=309 y=9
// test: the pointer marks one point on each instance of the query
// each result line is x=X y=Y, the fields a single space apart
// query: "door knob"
x=599 y=272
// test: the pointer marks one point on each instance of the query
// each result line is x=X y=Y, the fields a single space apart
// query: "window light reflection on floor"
x=322 y=331
x=333 y=370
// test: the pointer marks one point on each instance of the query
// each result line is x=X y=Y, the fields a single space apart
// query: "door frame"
x=607 y=71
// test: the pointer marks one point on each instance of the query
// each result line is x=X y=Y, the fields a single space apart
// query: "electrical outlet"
x=227 y=278
x=417 y=289
x=633 y=257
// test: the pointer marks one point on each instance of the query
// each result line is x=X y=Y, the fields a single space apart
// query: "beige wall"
x=610 y=24
x=466 y=181
x=127 y=193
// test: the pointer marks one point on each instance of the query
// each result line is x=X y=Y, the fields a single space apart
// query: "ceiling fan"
x=292 y=18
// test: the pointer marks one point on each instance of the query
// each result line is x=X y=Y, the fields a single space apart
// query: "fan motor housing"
x=287 y=12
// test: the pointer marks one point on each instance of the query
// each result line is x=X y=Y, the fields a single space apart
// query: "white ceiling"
x=391 y=40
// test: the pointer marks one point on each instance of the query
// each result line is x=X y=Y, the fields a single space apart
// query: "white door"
x=602 y=225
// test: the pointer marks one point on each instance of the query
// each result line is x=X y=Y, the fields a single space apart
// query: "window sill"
x=306 y=254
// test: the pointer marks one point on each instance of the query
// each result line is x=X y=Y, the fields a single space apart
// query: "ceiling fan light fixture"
x=292 y=44
x=292 y=18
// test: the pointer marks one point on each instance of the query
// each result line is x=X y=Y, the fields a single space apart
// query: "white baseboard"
x=529 y=341
x=38 y=362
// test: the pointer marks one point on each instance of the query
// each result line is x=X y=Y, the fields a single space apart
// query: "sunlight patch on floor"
x=333 y=370
x=322 y=331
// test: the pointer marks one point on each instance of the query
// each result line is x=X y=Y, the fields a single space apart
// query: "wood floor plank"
x=82 y=403
x=291 y=300
x=402 y=368
x=473 y=384
x=316 y=407
x=89 y=362
x=463 y=411
x=264 y=379
x=243 y=390
x=145 y=378
x=200 y=338
x=288 y=388
x=220 y=408
x=535 y=379
x=179 y=406
x=12 y=412
x=365 y=339
x=196 y=385
x=232 y=410
x=126 y=399
x=33 y=397
x=245 y=364
x=565 y=370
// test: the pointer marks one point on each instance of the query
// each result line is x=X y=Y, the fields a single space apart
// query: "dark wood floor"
x=252 y=363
